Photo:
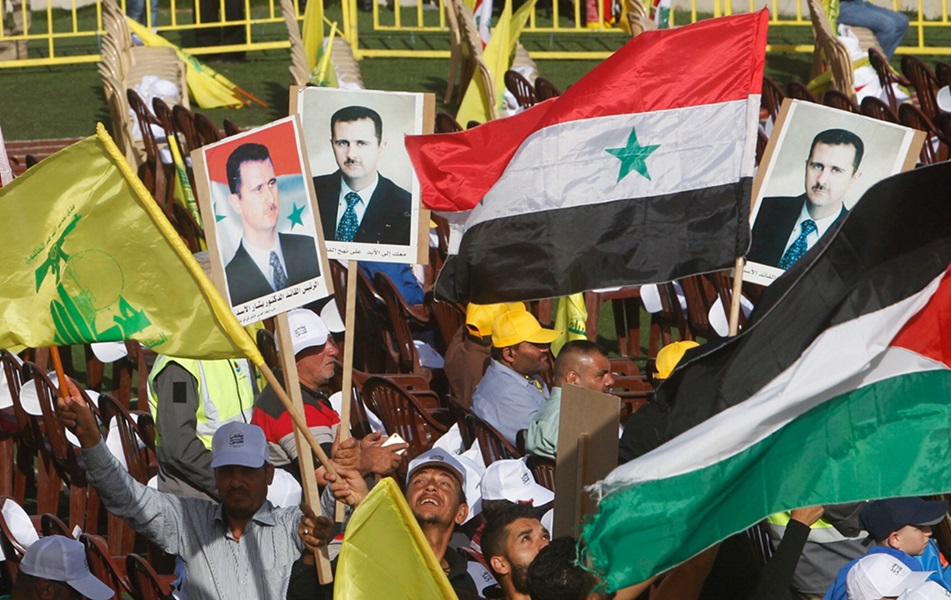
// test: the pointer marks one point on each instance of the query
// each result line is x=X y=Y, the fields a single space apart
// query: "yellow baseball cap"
x=517 y=326
x=480 y=317
x=669 y=356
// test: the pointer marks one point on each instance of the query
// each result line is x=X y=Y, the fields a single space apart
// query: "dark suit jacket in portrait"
x=774 y=224
x=387 y=219
x=247 y=282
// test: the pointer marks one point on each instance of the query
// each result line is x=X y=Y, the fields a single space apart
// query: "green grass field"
x=67 y=100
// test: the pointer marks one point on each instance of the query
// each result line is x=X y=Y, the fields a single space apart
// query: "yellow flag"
x=324 y=74
x=384 y=553
x=88 y=256
x=209 y=88
x=312 y=32
x=498 y=56
x=571 y=319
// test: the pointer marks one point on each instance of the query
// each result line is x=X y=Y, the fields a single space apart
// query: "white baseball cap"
x=511 y=480
x=437 y=457
x=237 y=443
x=307 y=330
x=943 y=98
x=880 y=575
x=929 y=590
x=59 y=558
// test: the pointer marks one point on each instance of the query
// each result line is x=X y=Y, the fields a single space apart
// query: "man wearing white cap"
x=507 y=482
x=901 y=528
x=314 y=352
x=928 y=590
x=242 y=547
x=435 y=492
x=511 y=392
x=55 y=567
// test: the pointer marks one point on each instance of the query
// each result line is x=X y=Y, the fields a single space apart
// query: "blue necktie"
x=348 y=224
x=798 y=247
x=280 y=277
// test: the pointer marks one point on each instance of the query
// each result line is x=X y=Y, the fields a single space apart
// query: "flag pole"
x=735 y=299
x=60 y=373
x=304 y=457
x=346 y=389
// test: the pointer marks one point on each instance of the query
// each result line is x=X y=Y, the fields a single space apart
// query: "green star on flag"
x=295 y=216
x=633 y=157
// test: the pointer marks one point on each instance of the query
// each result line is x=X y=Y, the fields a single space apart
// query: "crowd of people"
x=222 y=444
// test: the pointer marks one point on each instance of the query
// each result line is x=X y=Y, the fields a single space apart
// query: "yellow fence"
x=67 y=31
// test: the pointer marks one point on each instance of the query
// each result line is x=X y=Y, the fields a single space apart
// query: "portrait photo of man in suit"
x=266 y=260
x=787 y=226
x=356 y=202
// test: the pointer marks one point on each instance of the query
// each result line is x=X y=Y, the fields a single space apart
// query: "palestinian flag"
x=838 y=390
x=639 y=172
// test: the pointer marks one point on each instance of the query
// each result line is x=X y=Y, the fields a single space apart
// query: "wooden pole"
x=346 y=391
x=304 y=455
x=581 y=476
x=737 y=293
x=60 y=373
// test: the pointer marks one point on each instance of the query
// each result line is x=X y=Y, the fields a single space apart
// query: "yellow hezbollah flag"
x=88 y=256
x=498 y=56
x=384 y=553
x=209 y=88
x=571 y=319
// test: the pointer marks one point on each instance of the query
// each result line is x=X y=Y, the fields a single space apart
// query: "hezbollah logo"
x=89 y=306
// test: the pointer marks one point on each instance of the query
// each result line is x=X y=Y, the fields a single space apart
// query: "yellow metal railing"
x=68 y=32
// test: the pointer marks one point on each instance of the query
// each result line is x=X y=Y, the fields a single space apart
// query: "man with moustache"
x=265 y=261
x=786 y=227
x=511 y=392
x=356 y=203
x=315 y=352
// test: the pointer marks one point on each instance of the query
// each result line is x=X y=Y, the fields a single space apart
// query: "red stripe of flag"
x=926 y=332
x=657 y=70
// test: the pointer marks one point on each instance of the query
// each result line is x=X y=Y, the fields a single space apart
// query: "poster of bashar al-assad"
x=367 y=191
x=261 y=223
x=818 y=163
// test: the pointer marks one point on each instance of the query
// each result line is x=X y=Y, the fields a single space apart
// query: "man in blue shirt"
x=901 y=528
x=511 y=392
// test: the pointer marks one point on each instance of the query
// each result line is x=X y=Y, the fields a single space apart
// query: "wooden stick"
x=60 y=373
x=581 y=478
x=346 y=390
x=304 y=455
x=737 y=294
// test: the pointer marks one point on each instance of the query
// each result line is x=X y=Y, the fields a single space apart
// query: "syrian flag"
x=838 y=390
x=639 y=172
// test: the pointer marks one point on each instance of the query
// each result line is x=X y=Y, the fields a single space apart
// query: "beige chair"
x=638 y=18
x=830 y=53
x=473 y=45
x=300 y=74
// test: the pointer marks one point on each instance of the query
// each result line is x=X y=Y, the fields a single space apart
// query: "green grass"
x=67 y=100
